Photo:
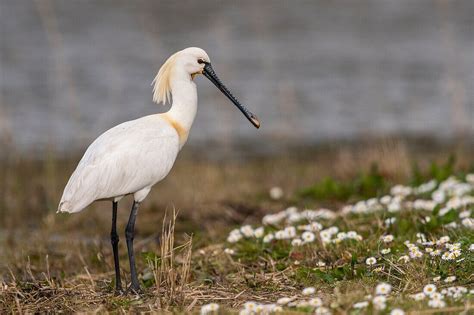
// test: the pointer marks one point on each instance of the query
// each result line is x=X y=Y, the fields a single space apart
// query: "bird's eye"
x=201 y=61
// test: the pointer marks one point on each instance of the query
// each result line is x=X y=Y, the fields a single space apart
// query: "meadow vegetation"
x=353 y=229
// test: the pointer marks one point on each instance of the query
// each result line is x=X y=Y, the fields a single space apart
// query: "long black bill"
x=212 y=76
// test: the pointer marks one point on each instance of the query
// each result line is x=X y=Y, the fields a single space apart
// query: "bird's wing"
x=123 y=160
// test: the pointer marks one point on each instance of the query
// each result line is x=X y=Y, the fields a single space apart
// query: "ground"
x=191 y=257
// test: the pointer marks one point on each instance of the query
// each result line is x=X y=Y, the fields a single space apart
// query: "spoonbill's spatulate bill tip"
x=132 y=157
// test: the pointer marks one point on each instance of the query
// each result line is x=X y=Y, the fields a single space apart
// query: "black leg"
x=129 y=234
x=114 y=238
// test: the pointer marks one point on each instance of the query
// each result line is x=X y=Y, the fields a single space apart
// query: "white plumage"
x=127 y=159
x=132 y=157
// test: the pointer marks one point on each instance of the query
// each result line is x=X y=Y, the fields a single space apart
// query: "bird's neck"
x=184 y=107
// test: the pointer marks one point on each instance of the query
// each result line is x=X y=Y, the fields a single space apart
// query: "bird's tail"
x=71 y=207
x=64 y=206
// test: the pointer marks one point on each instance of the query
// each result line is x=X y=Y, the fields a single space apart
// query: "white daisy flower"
x=385 y=251
x=379 y=302
x=296 y=242
x=470 y=178
x=385 y=199
x=371 y=261
x=404 y=259
x=315 y=226
x=435 y=303
x=447 y=256
x=333 y=230
x=325 y=235
x=321 y=263
x=394 y=207
x=308 y=237
x=302 y=304
x=387 y=238
x=456 y=253
x=276 y=193
x=390 y=221
x=443 y=211
x=452 y=247
x=418 y=296
x=450 y=279
x=438 y=196
x=250 y=306
x=353 y=235
x=277 y=309
x=280 y=235
x=437 y=296
x=397 y=311
x=360 y=305
x=379 y=299
x=426 y=220
x=415 y=254
x=246 y=230
x=268 y=238
x=229 y=251
x=400 y=190
x=443 y=240
x=234 y=238
x=285 y=300
x=322 y=311
x=468 y=222
x=258 y=232
x=347 y=209
x=429 y=289
x=209 y=308
x=316 y=302
x=309 y=291
x=383 y=289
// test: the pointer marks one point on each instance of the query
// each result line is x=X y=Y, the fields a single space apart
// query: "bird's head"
x=191 y=62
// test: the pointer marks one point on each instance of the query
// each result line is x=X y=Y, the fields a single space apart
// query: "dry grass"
x=64 y=263
x=171 y=271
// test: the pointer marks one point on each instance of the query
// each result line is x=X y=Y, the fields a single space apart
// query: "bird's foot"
x=118 y=291
x=134 y=290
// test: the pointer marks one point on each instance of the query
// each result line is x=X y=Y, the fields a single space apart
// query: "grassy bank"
x=64 y=262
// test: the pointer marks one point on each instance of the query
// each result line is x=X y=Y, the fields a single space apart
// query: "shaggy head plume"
x=162 y=82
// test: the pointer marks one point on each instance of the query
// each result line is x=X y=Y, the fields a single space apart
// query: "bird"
x=130 y=158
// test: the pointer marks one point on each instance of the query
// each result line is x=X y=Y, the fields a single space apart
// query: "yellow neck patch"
x=182 y=132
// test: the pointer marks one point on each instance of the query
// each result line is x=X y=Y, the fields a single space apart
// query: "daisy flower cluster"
x=296 y=234
x=308 y=301
x=451 y=194
x=434 y=248
x=210 y=308
x=437 y=299
x=257 y=308
x=292 y=215
x=379 y=300
x=328 y=232
x=245 y=231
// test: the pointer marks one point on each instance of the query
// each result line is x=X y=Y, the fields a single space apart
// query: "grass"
x=64 y=263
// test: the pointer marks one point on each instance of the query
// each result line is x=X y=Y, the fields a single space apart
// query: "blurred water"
x=312 y=71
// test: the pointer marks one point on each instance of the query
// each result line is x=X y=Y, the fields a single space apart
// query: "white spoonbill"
x=132 y=157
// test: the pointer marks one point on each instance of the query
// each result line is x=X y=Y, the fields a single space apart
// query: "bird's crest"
x=162 y=82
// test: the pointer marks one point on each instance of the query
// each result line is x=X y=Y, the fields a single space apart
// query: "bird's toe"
x=134 y=290
x=119 y=292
